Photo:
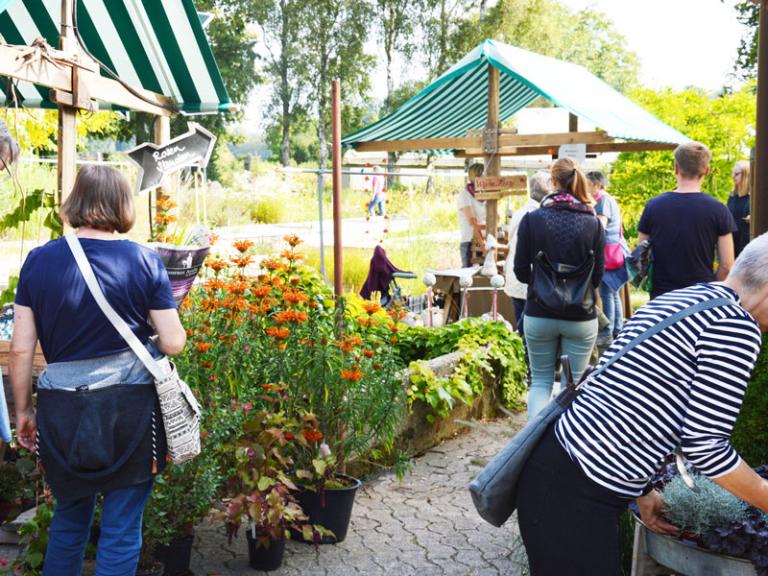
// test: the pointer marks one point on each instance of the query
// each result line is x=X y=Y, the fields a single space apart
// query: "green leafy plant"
x=28 y=205
x=488 y=349
x=750 y=436
x=11 y=483
x=34 y=541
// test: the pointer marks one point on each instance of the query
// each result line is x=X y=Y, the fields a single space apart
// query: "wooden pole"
x=336 y=159
x=161 y=134
x=492 y=159
x=67 y=133
x=759 y=199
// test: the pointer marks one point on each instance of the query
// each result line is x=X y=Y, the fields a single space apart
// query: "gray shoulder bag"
x=180 y=409
x=494 y=491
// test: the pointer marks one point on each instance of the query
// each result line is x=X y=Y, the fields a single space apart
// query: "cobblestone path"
x=425 y=524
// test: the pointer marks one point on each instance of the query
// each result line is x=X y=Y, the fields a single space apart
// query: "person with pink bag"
x=615 y=276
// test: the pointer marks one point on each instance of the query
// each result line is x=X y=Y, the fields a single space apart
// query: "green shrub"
x=268 y=210
x=750 y=435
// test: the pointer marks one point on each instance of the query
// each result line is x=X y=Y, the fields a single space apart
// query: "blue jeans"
x=466 y=254
x=117 y=553
x=577 y=338
x=612 y=310
x=377 y=203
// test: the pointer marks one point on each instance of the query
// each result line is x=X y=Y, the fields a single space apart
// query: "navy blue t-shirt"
x=684 y=228
x=70 y=325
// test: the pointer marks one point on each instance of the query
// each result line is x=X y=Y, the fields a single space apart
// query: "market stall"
x=462 y=113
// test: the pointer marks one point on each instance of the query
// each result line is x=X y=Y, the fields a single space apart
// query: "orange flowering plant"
x=275 y=320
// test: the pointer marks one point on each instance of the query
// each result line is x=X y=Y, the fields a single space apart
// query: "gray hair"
x=9 y=149
x=540 y=184
x=751 y=267
x=598 y=177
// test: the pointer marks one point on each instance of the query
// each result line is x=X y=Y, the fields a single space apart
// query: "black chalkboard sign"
x=191 y=149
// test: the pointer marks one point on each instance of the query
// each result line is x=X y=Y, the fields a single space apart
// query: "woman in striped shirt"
x=680 y=387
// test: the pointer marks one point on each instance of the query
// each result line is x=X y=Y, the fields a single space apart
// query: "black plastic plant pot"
x=176 y=555
x=331 y=510
x=260 y=558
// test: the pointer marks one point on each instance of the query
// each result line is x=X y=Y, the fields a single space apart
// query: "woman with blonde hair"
x=471 y=215
x=738 y=204
x=560 y=243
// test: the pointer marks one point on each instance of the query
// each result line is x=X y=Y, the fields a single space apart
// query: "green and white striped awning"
x=159 y=46
x=458 y=100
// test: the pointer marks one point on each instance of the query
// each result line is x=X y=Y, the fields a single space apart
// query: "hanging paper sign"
x=191 y=149
x=576 y=152
x=496 y=187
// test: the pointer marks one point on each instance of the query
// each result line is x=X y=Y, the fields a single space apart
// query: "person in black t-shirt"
x=685 y=226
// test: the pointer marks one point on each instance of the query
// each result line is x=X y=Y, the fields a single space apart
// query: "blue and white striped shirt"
x=683 y=386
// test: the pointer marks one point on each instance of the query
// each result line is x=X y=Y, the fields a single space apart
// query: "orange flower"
x=377 y=366
x=216 y=265
x=295 y=280
x=369 y=353
x=291 y=256
x=272 y=264
x=278 y=333
x=242 y=261
x=312 y=435
x=261 y=291
x=203 y=346
x=214 y=284
x=393 y=327
x=291 y=316
x=352 y=375
x=210 y=305
x=206 y=364
x=371 y=308
x=393 y=340
x=367 y=321
x=293 y=240
x=236 y=288
x=294 y=297
x=348 y=344
x=213 y=238
x=242 y=245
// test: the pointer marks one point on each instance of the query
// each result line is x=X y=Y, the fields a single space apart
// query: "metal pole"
x=759 y=192
x=336 y=155
x=320 y=217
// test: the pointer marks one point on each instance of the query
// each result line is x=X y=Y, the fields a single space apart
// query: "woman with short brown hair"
x=96 y=404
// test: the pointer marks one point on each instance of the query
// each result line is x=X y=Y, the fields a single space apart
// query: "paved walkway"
x=425 y=524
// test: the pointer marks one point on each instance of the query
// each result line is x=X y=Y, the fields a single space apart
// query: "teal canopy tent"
x=449 y=113
x=158 y=46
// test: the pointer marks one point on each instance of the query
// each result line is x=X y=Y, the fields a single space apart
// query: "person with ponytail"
x=738 y=204
x=562 y=237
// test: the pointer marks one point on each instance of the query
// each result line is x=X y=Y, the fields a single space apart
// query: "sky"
x=680 y=43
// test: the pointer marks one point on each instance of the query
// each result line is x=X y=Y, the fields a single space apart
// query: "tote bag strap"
x=120 y=325
x=668 y=321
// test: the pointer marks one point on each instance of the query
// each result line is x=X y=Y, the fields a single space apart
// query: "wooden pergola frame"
x=76 y=84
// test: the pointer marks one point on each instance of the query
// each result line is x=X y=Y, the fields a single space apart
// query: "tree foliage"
x=724 y=123
x=748 y=14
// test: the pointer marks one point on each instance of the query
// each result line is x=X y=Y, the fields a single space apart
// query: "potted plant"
x=263 y=492
x=182 y=497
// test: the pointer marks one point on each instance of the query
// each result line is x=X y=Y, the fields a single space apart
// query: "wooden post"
x=573 y=123
x=492 y=159
x=67 y=133
x=336 y=159
x=759 y=199
x=161 y=134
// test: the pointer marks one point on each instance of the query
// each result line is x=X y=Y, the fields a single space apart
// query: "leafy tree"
x=748 y=14
x=334 y=32
x=724 y=123
x=280 y=23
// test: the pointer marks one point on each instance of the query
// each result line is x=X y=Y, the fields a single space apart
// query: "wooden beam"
x=418 y=144
x=493 y=160
x=24 y=63
x=475 y=142
x=759 y=194
x=573 y=123
x=552 y=149
x=67 y=122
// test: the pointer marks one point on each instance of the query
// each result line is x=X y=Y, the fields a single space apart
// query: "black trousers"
x=569 y=524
